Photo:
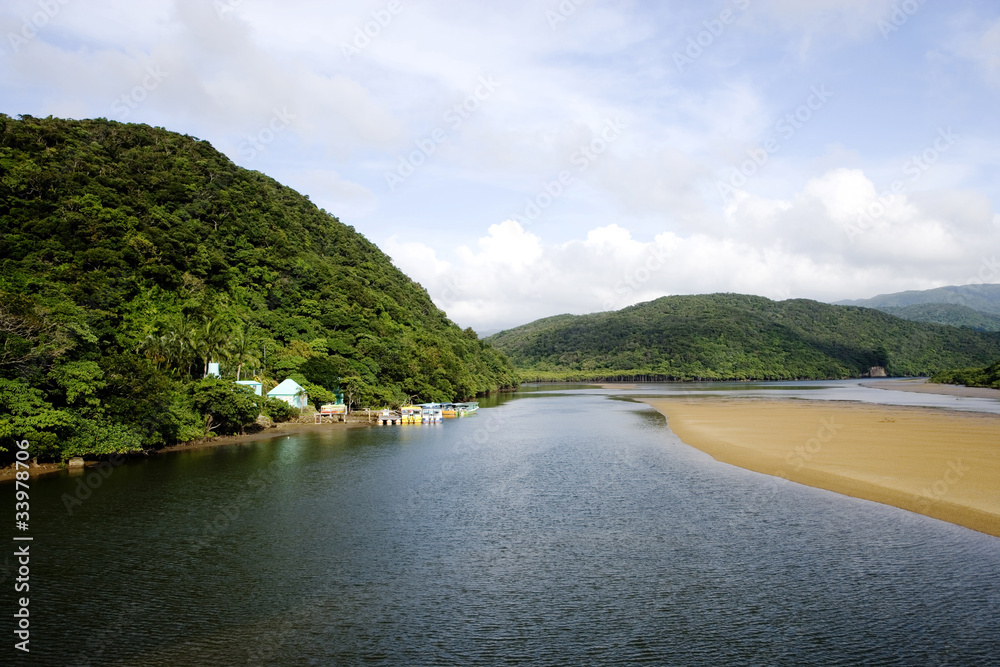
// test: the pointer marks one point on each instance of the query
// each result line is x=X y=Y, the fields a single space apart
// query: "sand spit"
x=938 y=463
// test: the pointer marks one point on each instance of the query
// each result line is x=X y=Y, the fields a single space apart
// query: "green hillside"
x=132 y=256
x=988 y=377
x=984 y=298
x=945 y=313
x=733 y=336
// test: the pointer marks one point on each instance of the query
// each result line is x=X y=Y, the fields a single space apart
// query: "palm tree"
x=209 y=340
x=243 y=346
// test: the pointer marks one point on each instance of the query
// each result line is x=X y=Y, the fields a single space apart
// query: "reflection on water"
x=556 y=527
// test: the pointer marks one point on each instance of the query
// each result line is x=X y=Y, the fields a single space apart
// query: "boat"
x=430 y=412
x=465 y=409
x=449 y=410
x=411 y=414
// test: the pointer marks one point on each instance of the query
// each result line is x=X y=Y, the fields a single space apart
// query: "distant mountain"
x=946 y=313
x=984 y=298
x=734 y=336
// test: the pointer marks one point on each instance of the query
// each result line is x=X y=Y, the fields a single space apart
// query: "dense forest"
x=951 y=314
x=971 y=377
x=737 y=337
x=132 y=257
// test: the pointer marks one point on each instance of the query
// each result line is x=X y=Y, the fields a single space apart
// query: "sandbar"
x=923 y=386
x=943 y=464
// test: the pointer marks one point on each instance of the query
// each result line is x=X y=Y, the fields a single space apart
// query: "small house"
x=253 y=384
x=290 y=392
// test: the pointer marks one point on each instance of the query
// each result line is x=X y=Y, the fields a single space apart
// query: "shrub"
x=225 y=405
x=278 y=410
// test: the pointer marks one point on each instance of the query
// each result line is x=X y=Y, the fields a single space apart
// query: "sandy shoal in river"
x=922 y=386
x=942 y=464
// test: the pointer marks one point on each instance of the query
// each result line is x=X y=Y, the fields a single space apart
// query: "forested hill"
x=734 y=336
x=951 y=314
x=982 y=297
x=131 y=256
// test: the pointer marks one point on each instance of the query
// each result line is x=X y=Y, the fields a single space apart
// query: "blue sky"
x=525 y=159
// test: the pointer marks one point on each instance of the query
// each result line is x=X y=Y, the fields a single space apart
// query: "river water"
x=557 y=526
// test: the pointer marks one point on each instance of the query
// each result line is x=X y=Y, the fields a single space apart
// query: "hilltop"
x=974 y=306
x=132 y=256
x=951 y=314
x=982 y=297
x=738 y=337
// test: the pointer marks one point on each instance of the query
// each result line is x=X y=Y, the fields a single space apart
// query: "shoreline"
x=923 y=386
x=287 y=428
x=942 y=464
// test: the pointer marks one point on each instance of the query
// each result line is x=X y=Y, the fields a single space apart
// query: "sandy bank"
x=941 y=464
x=922 y=386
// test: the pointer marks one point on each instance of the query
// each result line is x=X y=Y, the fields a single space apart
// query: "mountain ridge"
x=983 y=297
x=738 y=337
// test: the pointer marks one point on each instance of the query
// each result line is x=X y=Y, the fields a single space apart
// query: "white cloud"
x=651 y=196
x=776 y=248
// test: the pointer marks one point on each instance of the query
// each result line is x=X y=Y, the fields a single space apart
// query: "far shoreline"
x=925 y=386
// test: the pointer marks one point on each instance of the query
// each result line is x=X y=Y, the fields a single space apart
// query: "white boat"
x=431 y=412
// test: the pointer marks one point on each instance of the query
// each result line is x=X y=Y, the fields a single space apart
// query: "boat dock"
x=426 y=413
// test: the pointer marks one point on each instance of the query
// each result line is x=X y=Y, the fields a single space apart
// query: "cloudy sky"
x=527 y=158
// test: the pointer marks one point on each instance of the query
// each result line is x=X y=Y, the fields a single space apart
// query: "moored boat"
x=431 y=412
x=465 y=409
x=411 y=414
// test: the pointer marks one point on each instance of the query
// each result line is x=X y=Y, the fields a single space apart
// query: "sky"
x=523 y=159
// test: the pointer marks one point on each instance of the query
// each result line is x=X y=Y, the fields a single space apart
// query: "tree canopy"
x=971 y=377
x=738 y=337
x=132 y=257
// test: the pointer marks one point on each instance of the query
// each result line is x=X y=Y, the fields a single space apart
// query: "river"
x=556 y=526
